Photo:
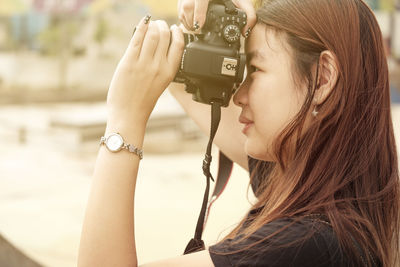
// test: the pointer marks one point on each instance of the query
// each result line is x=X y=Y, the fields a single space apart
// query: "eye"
x=253 y=68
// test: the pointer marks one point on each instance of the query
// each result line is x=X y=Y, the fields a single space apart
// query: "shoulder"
x=283 y=242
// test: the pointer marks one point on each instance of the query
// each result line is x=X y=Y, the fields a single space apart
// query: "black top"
x=308 y=242
x=318 y=245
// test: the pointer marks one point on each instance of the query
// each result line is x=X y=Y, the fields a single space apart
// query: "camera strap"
x=225 y=167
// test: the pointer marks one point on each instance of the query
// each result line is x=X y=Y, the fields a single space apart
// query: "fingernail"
x=196 y=25
x=247 y=33
x=147 y=19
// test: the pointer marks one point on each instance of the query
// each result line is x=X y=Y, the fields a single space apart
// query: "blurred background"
x=57 y=58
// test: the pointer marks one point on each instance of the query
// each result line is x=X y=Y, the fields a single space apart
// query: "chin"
x=256 y=152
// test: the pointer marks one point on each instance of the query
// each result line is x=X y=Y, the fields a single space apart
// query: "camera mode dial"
x=231 y=33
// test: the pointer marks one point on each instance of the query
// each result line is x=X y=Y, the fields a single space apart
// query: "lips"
x=247 y=123
x=244 y=120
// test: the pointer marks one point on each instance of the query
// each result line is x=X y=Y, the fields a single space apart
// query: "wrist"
x=132 y=132
x=126 y=117
x=115 y=143
x=136 y=120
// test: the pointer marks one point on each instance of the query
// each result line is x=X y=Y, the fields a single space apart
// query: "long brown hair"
x=345 y=163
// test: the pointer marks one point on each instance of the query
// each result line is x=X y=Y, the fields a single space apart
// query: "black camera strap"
x=196 y=243
x=225 y=166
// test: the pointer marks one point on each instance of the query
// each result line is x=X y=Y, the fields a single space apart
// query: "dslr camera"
x=212 y=65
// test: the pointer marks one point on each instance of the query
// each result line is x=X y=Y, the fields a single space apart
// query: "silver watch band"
x=129 y=147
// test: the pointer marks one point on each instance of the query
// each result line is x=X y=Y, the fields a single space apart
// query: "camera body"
x=212 y=65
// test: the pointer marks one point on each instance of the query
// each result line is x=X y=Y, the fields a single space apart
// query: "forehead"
x=265 y=43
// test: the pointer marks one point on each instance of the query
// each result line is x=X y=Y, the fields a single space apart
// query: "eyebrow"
x=256 y=54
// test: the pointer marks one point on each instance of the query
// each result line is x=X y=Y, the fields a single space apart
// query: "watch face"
x=114 y=142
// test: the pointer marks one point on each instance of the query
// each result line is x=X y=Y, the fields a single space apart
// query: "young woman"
x=317 y=139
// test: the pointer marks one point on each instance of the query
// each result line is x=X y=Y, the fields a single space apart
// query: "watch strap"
x=131 y=148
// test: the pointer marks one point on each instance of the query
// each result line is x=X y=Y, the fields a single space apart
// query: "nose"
x=241 y=97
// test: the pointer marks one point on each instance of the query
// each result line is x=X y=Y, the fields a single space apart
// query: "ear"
x=327 y=76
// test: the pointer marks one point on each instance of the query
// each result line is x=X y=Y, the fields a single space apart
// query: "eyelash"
x=253 y=69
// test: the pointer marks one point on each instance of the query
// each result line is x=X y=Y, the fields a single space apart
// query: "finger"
x=165 y=36
x=182 y=27
x=150 y=43
x=248 y=8
x=176 y=48
x=181 y=14
x=187 y=8
x=184 y=22
x=200 y=12
x=135 y=45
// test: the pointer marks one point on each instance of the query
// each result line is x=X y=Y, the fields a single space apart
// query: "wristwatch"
x=114 y=143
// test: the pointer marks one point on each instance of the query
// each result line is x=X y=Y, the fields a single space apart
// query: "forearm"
x=146 y=68
x=229 y=131
x=200 y=113
x=108 y=231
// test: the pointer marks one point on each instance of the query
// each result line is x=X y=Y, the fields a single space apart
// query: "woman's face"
x=268 y=97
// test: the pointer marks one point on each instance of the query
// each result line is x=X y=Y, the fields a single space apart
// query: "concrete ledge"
x=10 y=256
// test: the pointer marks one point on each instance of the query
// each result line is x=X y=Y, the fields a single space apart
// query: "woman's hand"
x=192 y=11
x=149 y=64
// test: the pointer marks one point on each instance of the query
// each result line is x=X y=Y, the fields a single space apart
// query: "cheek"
x=274 y=104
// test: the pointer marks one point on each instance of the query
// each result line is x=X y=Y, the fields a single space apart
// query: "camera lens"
x=232 y=33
